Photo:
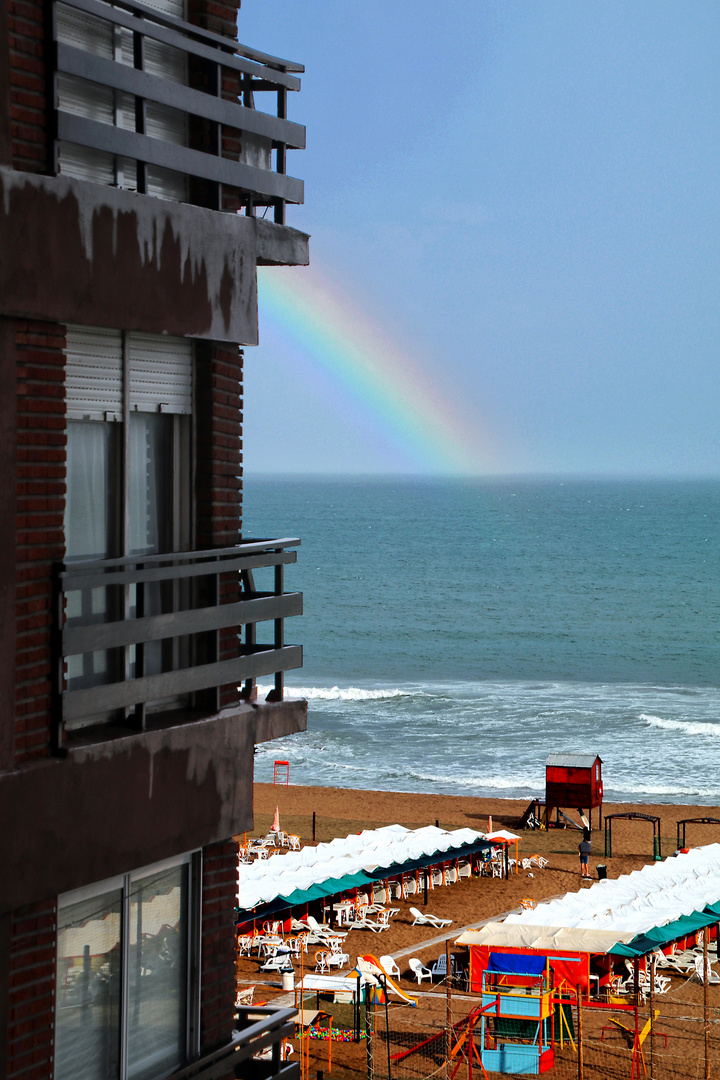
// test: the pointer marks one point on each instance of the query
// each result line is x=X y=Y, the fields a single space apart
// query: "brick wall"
x=31 y=997
x=41 y=458
x=219 y=465
x=27 y=85
x=215 y=15
x=219 y=897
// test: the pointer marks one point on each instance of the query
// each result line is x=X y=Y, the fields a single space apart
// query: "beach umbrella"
x=276 y=820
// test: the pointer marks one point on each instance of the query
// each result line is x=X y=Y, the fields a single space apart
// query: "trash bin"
x=288 y=980
x=601 y=872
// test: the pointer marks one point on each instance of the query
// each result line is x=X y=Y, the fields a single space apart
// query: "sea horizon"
x=457 y=631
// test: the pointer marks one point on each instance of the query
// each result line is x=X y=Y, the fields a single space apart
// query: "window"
x=129 y=400
x=127 y=1000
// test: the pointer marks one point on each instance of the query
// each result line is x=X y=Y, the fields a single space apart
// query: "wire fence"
x=669 y=1036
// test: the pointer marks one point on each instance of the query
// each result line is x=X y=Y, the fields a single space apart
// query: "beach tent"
x=296 y=878
x=627 y=917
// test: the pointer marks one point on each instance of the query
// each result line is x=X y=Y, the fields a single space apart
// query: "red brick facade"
x=35 y=444
x=219 y=465
x=31 y=999
x=41 y=442
x=28 y=85
x=219 y=898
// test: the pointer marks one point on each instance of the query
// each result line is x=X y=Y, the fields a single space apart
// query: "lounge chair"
x=280 y=962
x=323 y=930
x=660 y=986
x=325 y=959
x=337 y=959
x=713 y=979
x=390 y=967
x=364 y=923
x=419 y=970
x=428 y=920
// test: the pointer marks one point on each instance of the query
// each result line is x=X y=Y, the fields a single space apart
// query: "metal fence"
x=673 y=1036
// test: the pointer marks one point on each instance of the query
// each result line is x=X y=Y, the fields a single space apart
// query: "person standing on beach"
x=584 y=849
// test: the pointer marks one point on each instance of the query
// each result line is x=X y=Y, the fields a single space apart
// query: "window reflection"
x=88 y=989
x=122 y=979
x=157 y=974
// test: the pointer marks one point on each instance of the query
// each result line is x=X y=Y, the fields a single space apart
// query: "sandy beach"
x=339 y=812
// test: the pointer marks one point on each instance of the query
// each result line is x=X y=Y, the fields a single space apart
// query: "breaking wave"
x=336 y=693
x=683 y=726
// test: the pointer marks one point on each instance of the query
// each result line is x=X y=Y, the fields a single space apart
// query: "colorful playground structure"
x=517 y=1015
x=370 y=965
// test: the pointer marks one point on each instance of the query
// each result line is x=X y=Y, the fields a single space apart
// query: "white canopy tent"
x=371 y=851
x=621 y=908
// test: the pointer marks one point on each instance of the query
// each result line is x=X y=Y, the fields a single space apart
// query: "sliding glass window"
x=126 y=977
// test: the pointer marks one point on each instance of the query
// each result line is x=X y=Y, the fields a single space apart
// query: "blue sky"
x=524 y=196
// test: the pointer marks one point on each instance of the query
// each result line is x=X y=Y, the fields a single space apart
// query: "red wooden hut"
x=573 y=781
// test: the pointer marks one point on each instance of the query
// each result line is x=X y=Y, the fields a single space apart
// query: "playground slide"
x=372 y=961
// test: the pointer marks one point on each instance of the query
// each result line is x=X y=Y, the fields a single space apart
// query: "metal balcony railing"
x=213 y=63
x=260 y=1028
x=154 y=630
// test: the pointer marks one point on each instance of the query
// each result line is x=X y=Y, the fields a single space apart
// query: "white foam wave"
x=336 y=693
x=686 y=727
x=632 y=791
x=477 y=780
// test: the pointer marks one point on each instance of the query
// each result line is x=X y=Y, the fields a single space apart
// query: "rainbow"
x=329 y=332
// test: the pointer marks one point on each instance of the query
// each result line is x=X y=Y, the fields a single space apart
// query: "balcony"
x=260 y=1029
x=169 y=632
x=228 y=153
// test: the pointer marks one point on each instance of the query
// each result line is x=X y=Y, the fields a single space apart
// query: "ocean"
x=456 y=632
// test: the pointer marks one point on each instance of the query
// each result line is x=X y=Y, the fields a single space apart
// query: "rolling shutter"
x=159 y=373
x=94 y=383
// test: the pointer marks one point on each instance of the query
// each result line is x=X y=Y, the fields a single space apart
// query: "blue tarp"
x=515 y=964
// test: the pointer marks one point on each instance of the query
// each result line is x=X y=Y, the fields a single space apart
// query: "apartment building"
x=143 y=178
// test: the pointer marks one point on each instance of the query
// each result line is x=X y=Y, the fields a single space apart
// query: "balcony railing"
x=169 y=630
x=261 y=1029
x=214 y=63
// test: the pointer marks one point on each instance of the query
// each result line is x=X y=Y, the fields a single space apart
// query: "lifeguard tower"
x=517 y=1014
x=572 y=781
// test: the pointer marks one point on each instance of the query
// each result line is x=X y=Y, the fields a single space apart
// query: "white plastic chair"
x=419 y=970
x=390 y=967
x=321 y=961
x=244 y=997
x=245 y=944
x=409 y=887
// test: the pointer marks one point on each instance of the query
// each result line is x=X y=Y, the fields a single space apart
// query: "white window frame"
x=123 y=883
